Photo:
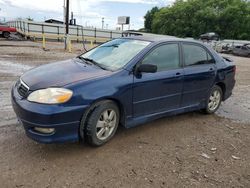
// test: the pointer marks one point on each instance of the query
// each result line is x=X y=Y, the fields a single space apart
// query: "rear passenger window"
x=196 y=55
x=165 y=57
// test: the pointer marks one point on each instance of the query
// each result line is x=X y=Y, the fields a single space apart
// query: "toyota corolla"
x=127 y=82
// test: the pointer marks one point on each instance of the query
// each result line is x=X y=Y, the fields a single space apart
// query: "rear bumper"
x=65 y=120
x=227 y=95
x=229 y=90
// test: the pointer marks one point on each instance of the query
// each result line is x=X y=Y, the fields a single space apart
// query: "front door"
x=160 y=91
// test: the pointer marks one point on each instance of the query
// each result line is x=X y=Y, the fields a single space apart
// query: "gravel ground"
x=188 y=150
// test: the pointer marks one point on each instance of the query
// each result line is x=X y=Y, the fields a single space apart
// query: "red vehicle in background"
x=5 y=30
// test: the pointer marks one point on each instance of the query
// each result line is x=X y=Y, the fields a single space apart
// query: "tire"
x=102 y=123
x=6 y=34
x=214 y=100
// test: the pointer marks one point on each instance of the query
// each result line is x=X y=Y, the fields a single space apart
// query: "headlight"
x=50 y=96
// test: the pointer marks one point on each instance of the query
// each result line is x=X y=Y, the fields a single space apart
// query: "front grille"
x=22 y=88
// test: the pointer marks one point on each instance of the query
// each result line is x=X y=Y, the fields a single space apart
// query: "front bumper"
x=65 y=119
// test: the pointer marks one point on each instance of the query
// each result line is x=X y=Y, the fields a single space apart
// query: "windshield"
x=115 y=54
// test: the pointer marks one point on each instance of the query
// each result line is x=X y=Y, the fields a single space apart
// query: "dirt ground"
x=188 y=150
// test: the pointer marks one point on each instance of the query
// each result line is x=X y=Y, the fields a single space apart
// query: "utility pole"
x=72 y=16
x=102 y=23
x=67 y=25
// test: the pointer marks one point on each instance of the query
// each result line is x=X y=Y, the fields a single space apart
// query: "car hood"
x=61 y=73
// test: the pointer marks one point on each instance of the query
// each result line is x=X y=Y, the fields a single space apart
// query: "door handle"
x=177 y=74
x=211 y=69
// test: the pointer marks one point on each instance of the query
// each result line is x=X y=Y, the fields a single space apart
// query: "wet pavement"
x=237 y=107
x=9 y=72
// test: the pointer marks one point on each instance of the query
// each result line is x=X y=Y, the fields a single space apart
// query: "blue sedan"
x=126 y=81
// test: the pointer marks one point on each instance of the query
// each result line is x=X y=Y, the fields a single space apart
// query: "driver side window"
x=165 y=57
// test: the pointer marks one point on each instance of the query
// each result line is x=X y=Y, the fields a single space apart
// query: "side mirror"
x=148 y=68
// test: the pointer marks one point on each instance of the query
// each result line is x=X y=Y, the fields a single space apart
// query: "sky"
x=86 y=12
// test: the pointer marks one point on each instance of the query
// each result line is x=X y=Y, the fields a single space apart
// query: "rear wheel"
x=102 y=123
x=214 y=100
x=6 y=34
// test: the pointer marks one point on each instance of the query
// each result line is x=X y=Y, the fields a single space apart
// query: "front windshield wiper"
x=82 y=58
x=92 y=61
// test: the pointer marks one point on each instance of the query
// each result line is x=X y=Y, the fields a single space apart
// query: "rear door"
x=199 y=74
x=160 y=91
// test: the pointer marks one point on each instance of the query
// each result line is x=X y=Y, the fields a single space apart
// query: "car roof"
x=161 y=38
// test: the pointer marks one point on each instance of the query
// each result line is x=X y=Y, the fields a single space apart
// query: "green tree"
x=191 y=18
x=149 y=18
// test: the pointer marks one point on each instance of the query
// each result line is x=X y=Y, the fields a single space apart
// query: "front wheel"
x=214 y=100
x=102 y=123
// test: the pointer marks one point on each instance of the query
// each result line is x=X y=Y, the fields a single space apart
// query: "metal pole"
x=102 y=23
x=67 y=17
x=67 y=24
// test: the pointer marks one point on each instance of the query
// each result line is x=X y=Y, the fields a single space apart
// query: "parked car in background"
x=243 y=50
x=209 y=36
x=126 y=81
x=5 y=30
x=131 y=33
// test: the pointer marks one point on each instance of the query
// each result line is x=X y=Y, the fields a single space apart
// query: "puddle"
x=237 y=107
x=5 y=56
x=13 y=68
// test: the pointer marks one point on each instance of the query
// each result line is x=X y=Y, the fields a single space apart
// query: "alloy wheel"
x=106 y=124
x=214 y=100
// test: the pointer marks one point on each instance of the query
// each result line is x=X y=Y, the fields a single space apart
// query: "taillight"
x=234 y=69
